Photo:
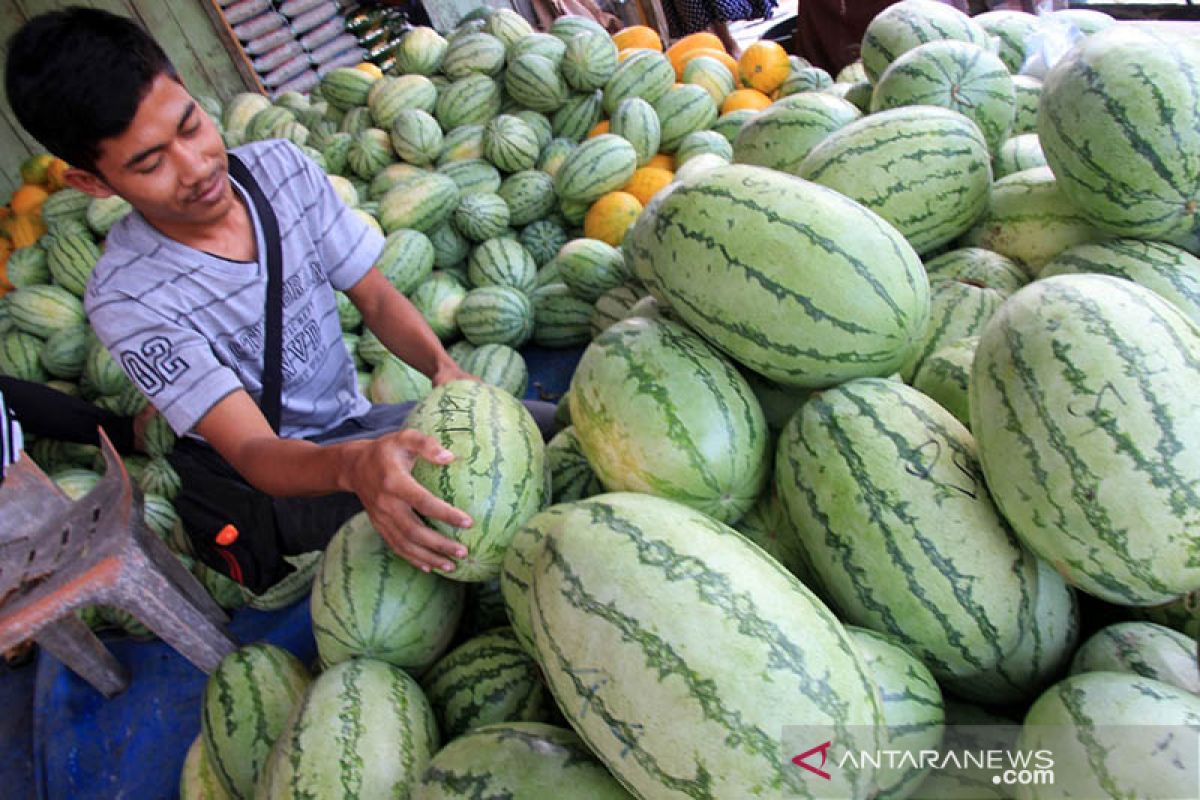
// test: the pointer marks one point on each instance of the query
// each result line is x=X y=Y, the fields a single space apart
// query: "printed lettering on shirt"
x=155 y=366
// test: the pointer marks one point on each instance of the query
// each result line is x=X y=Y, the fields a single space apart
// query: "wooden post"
x=652 y=12
x=240 y=61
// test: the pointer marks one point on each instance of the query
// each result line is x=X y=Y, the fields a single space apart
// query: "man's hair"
x=75 y=78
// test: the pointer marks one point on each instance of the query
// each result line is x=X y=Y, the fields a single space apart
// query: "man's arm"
x=378 y=471
x=402 y=329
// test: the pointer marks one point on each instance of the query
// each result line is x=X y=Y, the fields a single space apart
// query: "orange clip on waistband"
x=227 y=535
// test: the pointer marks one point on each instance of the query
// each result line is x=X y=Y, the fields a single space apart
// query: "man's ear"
x=87 y=182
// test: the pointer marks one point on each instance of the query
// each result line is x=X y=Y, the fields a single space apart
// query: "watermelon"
x=370 y=152
x=416 y=136
x=539 y=123
x=104 y=212
x=44 y=310
x=349 y=317
x=945 y=376
x=554 y=155
x=709 y=453
x=958 y=309
x=660 y=696
x=543 y=44
x=576 y=116
x=357 y=120
x=1120 y=125
x=510 y=144
x=102 y=370
x=473 y=175
x=472 y=100
x=516 y=568
x=1180 y=614
x=344 y=88
x=496 y=314
x=568 y=26
x=645 y=74
x=393 y=381
x=711 y=75
x=1028 y=95
x=486 y=680
x=75 y=482
x=1170 y=271
x=518 y=760
x=589 y=61
x=912 y=708
x=26 y=266
x=590 y=267
x=66 y=206
x=1019 y=153
x=766 y=524
x=363 y=730
x=960 y=76
x=241 y=109
x=1013 y=30
x=421 y=203
x=542 y=239
x=1102 y=759
x=970 y=729
x=529 y=195
x=974 y=264
x=420 y=52
x=498 y=476
x=1030 y=220
x=730 y=123
x=614 y=306
x=1080 y=453
x=502 y=262
x=902 y=26
x=159 y=477
x=923 y=169
x=599 y=165
x=808 y=79
x=266 y=124
x=480 y=216
x=560 y=318
x=406 y=259
x=782 y=135
x=198 y=780
x=336 y=152
x=20 y=356
x=857 y=94
x=884 y=490
x=464 y=143
x=534 y=83
x=475 y=53
x=681 y=111
x=1085 y=20
x=369 y=602
x=636 y=121
x=71 y=257
x=711 y=249
x=498 y=365
x=246 y=703
x=438 y=298
x=1141 y=648
x=450 y=248
x=571 y=475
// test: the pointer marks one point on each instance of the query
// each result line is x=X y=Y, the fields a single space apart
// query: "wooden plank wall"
x=185 y=29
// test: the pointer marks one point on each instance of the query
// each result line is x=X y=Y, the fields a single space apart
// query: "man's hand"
x=381 y=476
x=449 y=371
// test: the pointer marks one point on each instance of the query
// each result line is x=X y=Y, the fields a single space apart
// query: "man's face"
x=170 y=164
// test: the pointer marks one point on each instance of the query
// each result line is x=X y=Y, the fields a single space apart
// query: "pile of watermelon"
x=887 y=417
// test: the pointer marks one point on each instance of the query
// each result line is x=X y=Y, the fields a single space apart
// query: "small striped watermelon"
x=542 y=238
x=543 y=44
x=421 y=203
x=1014 y=31
x=709 y=452
x=636 y=121
x=26 y=266
x=683 y=110
x=43 y=310
x=472 y=100
x=560 y=317
x=502 y=262
x=529 y=195
x=1018 y=154
x=363 y=730
x=370 y=152
x=416 y=137
x=517 y=568
x=645 y=74
x=577 y=115
x=246 y=703
x=571 y=475
x=438 y=298
x=343 y=88
x=700 y=143
x=614 y=306
x=369 y=602
x=406 y=259
x=981 y=266
x=464 y=143
x=766 y=524
x=393 y=381
x=510 y=144
x=945 y=376
x=474 y=53
x=1028 y=94
x=496 y=314
x=957 y=309
x=711 y=75
x=472 y=175
x=420 y=52
x=1080 y=452
x=554 y=155
x=198 y=780
x=534 y=82
x=596 y=167
x=71 y=257
x=730 y=123
x=590 y=267
x=486 y=680
x=480 y=216
x=589 y=61
x=498 y=365
x=498 y=476
x=539 y=123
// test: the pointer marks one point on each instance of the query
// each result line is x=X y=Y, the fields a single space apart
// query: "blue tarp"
x=61 y=740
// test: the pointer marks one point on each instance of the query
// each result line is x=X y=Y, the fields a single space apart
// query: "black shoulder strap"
x=272 y=375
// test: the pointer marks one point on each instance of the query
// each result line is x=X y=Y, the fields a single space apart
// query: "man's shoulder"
x=272 y=160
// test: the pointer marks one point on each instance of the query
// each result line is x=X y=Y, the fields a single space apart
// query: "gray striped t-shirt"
x=188 y=327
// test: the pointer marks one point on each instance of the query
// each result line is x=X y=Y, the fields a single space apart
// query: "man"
x=179 y=298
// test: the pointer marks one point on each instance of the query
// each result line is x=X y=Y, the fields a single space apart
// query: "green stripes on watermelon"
x=783 y=134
